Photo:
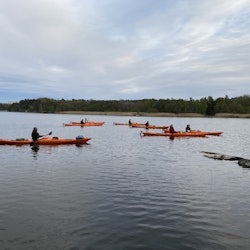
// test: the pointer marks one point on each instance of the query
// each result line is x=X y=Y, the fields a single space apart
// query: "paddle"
x=33 y=142
x=46 y=134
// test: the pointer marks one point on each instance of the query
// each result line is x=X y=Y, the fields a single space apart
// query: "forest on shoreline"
x=163 y=107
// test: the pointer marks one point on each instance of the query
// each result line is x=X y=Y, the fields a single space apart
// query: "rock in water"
x=244 y=163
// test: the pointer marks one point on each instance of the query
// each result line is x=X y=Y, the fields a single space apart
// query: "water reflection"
x=35 y=149
x=47 y=150
x=124 y=192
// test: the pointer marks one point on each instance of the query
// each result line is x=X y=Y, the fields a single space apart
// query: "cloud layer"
x=124 y=49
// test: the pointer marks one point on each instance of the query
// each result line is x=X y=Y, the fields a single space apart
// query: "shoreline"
x=219 y=115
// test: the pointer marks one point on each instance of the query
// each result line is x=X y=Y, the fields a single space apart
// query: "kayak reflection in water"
x=35 y=149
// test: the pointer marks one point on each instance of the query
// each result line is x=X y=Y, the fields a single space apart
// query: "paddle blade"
x=50 y=132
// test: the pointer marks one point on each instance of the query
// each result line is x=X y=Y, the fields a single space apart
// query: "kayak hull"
x=45 y=141
x=90 y=123
x=84 y=124
x=118 y=123
x=148 y=127
x=215 y=133
x=178 y=134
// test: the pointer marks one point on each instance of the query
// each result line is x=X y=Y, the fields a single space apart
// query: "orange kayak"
x=84 y=124
x=217 y=133
x=208 y=132
x=177 y=134
x=118 y=123
x=46 y=141
x=136 y=123
x=133 y=125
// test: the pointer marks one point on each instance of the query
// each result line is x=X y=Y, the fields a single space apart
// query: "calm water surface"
x=123 y=191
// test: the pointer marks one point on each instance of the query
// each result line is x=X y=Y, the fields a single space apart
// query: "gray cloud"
x=116 y=49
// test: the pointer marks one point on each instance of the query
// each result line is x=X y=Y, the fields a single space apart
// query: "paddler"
x=171 y=129
x=188 y=129
x=35 y=135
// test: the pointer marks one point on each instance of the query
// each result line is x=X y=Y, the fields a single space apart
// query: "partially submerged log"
x=245 y=163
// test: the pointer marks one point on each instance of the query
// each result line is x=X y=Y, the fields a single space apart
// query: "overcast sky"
x=124 y=49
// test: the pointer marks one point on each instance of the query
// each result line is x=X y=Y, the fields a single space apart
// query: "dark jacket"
x=35 y=135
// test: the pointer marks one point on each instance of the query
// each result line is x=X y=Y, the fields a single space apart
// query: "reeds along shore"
x=219 y=115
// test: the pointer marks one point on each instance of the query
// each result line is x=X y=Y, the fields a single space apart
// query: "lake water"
x=123 y=191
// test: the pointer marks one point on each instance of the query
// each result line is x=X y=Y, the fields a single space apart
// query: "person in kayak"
x=188 y=129
x=35 y=135
x=147 y=124
x=171 y=129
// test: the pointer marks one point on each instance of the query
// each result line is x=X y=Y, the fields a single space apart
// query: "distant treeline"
x=4 y=106
x=205 y=106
